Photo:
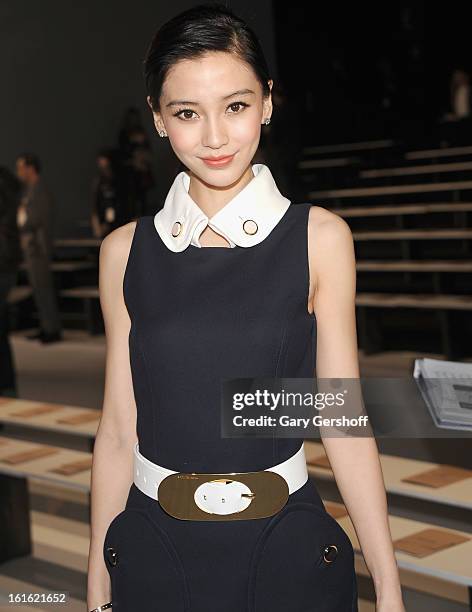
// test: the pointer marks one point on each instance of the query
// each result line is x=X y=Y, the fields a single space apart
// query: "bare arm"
x=355 y=461
x=112 y=469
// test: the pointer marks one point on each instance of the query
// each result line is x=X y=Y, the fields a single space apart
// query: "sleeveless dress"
x=198 y=316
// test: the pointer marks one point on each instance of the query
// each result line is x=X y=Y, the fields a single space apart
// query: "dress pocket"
x=144 y=566
x=303 y=561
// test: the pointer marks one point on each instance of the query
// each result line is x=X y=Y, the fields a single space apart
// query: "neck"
x=211 y=199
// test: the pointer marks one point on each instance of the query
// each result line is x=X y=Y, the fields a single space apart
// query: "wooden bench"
x=18 y=464
x=432 y=265
x=409 y=244
x=415 y=300
x=395 y=469
x=89 y=296
x=446 y=574
x=334 y=162
x=77 y=242
x=402 y=209
x=415 y=170
x=412 y=234
x=372 y=192
x=67 y=266
x=42 y=468
x=349 y=146
x=436 y=268
x=49 y=417
x=437 y=153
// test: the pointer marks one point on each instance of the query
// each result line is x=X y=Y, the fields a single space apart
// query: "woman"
x=215 y=285
x=109 y=197
x=136 y=158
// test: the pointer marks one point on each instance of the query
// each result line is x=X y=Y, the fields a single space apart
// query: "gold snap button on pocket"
x=330 y=553
x=112 y=555
x=250 y=227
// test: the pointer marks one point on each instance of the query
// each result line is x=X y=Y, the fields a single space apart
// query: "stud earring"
x=267 y=121
x=162 y=133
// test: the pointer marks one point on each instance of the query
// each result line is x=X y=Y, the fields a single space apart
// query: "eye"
x=181 y=114
x=240 y=104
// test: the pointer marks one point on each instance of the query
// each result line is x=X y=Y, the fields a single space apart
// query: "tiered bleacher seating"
x=404 y=225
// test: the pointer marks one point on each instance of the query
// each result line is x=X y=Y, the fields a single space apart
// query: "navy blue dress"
x=198 y=316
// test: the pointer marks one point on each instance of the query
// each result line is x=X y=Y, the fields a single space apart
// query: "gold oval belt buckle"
x=223 y=497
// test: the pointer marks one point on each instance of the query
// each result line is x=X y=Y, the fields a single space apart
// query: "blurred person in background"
x=10 y=257
x=130 y=124
x=35 y=218
x=109 y=195
x=136 y=154
x=457 y=124
x=460 y=94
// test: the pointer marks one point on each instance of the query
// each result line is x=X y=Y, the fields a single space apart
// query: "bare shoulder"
x=116 y=244
x=327 y=228
x=114 y=253
x=330 y=249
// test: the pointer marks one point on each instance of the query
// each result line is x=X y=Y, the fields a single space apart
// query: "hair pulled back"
x=193 y=33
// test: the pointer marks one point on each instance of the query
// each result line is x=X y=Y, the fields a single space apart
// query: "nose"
x=214 y=133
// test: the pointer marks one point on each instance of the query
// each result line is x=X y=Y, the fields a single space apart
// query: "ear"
x=267 y=110
x=158 y=123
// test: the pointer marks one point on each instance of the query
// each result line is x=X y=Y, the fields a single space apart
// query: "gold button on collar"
x=176 y=229
x=250 y=227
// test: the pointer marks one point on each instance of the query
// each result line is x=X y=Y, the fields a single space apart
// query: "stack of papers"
x=446 y=387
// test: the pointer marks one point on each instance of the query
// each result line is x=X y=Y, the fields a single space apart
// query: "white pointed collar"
x=244 y=221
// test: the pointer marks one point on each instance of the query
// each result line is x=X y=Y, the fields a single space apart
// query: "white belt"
x=209 y=495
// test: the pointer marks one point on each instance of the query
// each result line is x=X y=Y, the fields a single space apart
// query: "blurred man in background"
x=35 y=215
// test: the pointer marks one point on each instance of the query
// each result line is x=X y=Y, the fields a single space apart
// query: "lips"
x=218 y=161
x=216 y=158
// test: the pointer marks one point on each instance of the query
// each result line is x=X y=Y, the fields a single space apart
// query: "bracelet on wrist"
x=102 y=607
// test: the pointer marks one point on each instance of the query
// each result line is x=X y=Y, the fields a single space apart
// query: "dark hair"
x=195 y=32
x=31 y=159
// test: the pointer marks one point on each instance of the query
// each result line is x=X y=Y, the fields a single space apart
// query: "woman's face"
x=213 y=107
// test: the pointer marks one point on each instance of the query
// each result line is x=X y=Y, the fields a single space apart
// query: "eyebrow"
x=240 y=92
